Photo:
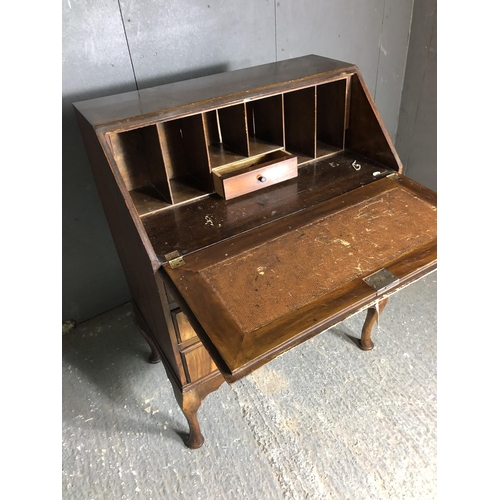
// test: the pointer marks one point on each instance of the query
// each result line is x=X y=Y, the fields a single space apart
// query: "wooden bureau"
x=252 y=210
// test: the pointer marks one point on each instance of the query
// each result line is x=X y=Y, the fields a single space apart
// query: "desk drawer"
x=183 y=329
x=198 y=363
x=253 y=174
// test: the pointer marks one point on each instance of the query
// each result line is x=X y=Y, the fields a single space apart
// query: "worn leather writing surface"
x=264 y=291
x=279 y=276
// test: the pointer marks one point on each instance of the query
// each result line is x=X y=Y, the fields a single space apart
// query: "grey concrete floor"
x=323 y=421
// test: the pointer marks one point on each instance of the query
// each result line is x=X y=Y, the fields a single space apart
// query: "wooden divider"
x=172 y=161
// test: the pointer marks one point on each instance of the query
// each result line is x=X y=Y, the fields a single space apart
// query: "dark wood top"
x=191 y=96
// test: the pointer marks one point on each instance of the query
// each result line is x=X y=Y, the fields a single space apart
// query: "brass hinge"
x=393 y=177
x=175 y=259
x=381 y=280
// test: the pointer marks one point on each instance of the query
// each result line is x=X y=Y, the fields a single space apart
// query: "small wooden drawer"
x=198 y=363
x=183 y=328
x=253 y=174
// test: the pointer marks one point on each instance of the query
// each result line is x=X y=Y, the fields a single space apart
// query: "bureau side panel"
x=133 y=253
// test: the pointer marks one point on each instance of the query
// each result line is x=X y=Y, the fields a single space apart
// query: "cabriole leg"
x=190 y=402
x=155 y=355
x=372 y=315
x=189 y=405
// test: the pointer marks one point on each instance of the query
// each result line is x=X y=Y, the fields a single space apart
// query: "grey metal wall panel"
x=423 y=20
x=348 y=30
x=95 y=62
x=422 y=155
x=94 y=53
x=393 y=48
x=178 y=40
x=372 y=34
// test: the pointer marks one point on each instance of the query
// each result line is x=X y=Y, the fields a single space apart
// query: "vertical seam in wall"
x=128 y=46
x=275 y=32
x=421 y=89
x=379 y=50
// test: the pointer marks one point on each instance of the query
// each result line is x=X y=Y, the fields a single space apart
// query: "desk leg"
x=371 y=316
x=155 y=355
x=190 y=396
x=190 y=402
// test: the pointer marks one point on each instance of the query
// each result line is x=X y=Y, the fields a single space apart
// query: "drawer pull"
x=261 y=178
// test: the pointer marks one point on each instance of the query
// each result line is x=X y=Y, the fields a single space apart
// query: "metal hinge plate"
x=393 y=177
x=174 y=259
x=381 y=280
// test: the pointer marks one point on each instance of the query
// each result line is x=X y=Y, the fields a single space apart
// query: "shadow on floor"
x=111 y=360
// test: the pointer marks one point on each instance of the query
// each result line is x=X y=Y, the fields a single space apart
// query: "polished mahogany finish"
x=252 y=210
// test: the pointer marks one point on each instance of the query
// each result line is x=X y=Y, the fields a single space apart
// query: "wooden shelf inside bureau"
x=211 y=219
